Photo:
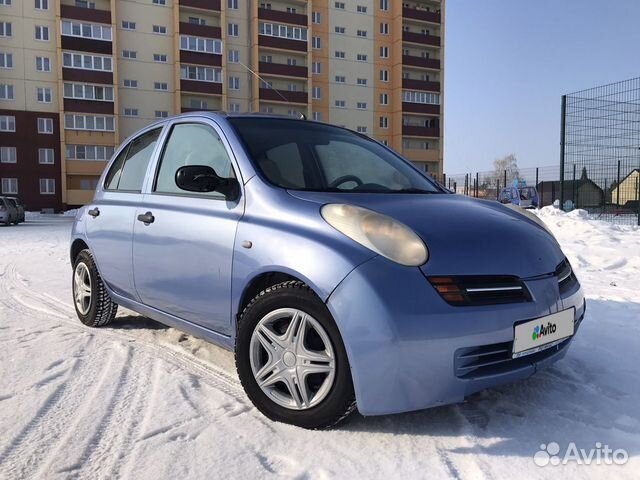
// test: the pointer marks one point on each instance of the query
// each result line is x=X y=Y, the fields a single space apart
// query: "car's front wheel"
x=93 y=304
x=291 y=359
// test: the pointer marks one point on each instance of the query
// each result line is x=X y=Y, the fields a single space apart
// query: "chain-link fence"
x=599 y=159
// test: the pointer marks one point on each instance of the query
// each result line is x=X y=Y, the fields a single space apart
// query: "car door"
x=184 y=241
x=112 y=213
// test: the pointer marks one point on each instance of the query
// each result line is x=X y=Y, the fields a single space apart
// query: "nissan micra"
x=340 y=275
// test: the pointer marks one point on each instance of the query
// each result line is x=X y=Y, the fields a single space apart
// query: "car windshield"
x=300 y=155
x=11 y=202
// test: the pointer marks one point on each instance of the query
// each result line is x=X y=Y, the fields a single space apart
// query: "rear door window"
x=130 y=167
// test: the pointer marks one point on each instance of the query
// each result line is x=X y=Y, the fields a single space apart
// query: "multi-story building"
x=79 y=76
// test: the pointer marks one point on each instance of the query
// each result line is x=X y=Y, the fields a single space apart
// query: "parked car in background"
x=525 y=197
x=8 y=211
x=340 y=275
x=19 y=207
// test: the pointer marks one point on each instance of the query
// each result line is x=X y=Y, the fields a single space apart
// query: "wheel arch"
x=76 y=247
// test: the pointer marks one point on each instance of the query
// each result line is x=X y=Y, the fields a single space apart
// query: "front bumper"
x=403 y=341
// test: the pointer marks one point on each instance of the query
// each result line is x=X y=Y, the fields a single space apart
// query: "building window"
x=159 y=2
x=126 y=25
x=7 y=123
x=282 y=31
x=384 y=28
x=234 y=83
x=384 y=52
x=161 y=114
x=5 y=29
x=6 y=60
x=340 y=30
x=317 y=116
x=361 y=9
x=292 y=87
x=89 y=152
x=130 y=112
x=42 y=4
x=291 y=10
x=42 y=33
x=384 y=75
x=198 y=103
x=89 y=122
x=87 y=61
x=160 y=58
x=384 y=5
x=45 y=125
x=160 y=29
x=197 y=21
x=361 y=129
x=384 y=99
x=10 y=186
x=6 y=91
x=266 y=6
x=234 y=56
x=420 y=97
x=384 y=122
x=316 y=93
x=44 y=94
x=8 y=155
x=339 y=54
x=43 y=64
x=127 y=83
x=361 y=105
x=362 y=33
x=361 y=81
x=234 y=107
x=233 y=30
x=201 y=74
x=266 y=58
x=46 y=156
x=160 y=86
x=86 y=30
x=315 y=17
x=88 y=91
x=129 y=54
x=341 y=79
x=232 y=4
x=316 y=67
x=361 y=57
x=199 y=44
x=47 y=186
x=315 y=42
x=292 y=62
x=340 y=103
x=339 y=5
x=5 y=3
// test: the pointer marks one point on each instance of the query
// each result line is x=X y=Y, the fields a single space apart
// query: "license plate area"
x=543 y=333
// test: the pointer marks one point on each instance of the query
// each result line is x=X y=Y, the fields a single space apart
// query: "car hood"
x=465 y=236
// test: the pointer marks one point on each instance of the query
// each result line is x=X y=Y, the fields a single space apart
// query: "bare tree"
x=509 y=164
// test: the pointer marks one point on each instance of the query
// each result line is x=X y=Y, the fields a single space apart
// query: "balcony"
x=421 y=15
x=420 y=85
x=196 y=86
x=200 y=30
x=420 y=62
x=88 y=106
x=422 y=108
x=200 y=58
x=86 y=14
x=85 y=167
x=282 y=69
x=282 y=17
x=190 y=109
x=282 y=43
x=272 y=95
x=86 y=45
x=419 y=131
x=422 y=39
x=91 y=76
x=213 y=5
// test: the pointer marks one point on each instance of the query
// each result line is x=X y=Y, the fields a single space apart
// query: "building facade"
x=77 y=77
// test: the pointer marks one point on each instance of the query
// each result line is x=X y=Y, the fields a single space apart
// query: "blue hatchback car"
x=341 y=276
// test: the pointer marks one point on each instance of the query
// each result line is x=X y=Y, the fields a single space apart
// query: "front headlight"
x=377 y=232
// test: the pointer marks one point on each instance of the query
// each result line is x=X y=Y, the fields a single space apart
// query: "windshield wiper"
x=415 y=190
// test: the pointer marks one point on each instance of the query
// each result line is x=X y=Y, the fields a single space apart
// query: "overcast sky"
x=507 y=62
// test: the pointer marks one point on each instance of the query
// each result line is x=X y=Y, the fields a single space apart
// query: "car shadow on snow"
x=136 y=322
x=592 y=395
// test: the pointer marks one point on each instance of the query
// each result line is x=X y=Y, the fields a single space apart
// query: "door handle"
x=146 y=218
x=94 y=212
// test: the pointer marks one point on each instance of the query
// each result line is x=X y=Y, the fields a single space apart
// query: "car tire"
x=99 y=310
x=337 y=400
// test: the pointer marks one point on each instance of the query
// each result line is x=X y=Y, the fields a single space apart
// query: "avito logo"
x=542 y=330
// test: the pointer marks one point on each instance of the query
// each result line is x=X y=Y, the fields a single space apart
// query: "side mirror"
x=203 y=179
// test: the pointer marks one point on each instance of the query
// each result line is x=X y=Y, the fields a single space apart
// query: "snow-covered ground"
x=139 y=400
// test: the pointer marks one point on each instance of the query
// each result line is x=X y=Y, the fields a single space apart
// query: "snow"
x=139 y=400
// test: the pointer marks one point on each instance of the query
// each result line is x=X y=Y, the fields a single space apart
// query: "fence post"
x=536 y=178
x=563 y=115
x=604 y=198
x=497 y=188
x=573 y=188
x=618 y=186
x=477 y=185
x=638 y=198
x=505 y=179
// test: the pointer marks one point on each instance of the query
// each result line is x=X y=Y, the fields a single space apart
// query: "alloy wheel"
x=82 y=288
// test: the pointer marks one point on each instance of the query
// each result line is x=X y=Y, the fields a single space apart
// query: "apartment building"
x=78 y=76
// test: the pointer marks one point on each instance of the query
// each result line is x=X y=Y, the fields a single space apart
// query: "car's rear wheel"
x=92 y=302
x=291 y=359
